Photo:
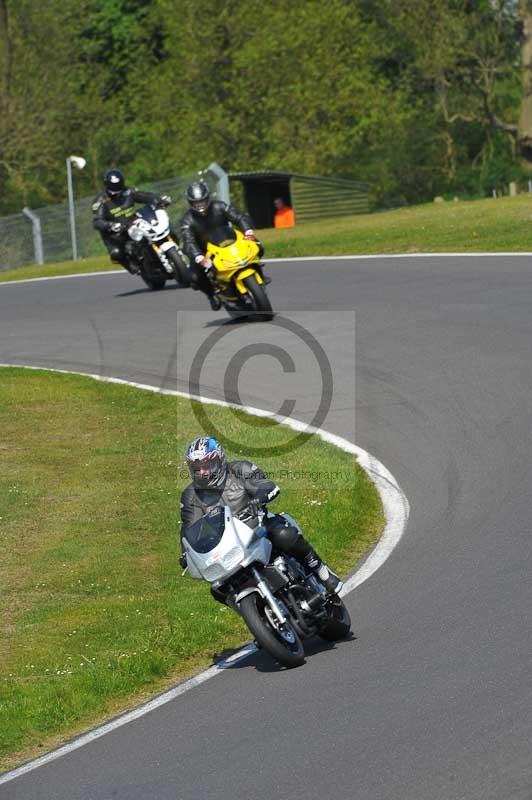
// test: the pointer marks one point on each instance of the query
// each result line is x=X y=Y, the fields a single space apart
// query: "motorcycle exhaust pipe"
x=312 y=604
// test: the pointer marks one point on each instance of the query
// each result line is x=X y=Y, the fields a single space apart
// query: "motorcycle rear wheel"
x=338 y=625
x=262 y=307
x=285 y=647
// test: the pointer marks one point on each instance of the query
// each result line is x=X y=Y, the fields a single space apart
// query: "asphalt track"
x=433 y=696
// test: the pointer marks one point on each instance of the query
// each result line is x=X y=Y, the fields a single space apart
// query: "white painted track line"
x=359 y=257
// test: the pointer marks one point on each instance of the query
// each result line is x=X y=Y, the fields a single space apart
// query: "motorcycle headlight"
x=135 y=233
x=233 y=557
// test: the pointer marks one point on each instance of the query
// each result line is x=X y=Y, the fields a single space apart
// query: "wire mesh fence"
x=314 y=198
x=16 y=231
x=16 y=241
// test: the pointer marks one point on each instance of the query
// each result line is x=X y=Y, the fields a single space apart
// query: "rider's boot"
x=131 y=268
x=325 y=575
x=215 y=302
x=306 y=554
x=266 y=278
x=330 y=579
x=123 y=262
x=120 y=255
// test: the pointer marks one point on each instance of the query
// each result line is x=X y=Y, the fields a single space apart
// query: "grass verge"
x=95 y=614
x=96 y=264
x=465 y=226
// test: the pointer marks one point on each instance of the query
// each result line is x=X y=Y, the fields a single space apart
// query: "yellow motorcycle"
x=237 y=274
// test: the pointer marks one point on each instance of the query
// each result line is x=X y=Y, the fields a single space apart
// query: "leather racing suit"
x=245 y=482
x=107 y=211
x=195 y=230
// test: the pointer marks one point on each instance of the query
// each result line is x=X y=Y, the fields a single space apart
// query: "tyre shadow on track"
x=250 y=320
x=262 y=662
x=218 y=323
x=145 y=290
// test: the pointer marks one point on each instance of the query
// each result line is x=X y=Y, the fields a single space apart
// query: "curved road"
x=433 y=698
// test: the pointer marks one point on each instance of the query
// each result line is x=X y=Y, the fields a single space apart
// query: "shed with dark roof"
x=312 y=197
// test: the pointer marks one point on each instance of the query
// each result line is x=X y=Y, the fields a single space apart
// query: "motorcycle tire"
x=262 y=308
x=154 y=282
x=180 y=268
x=286 y=649
x=338 y=625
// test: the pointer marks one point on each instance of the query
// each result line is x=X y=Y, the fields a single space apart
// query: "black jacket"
x=245 y=481
x=107 y=210
x=195 y=228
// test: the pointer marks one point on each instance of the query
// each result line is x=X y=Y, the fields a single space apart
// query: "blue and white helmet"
x=207 y=463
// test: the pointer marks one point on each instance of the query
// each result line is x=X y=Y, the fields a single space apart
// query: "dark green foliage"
x=110 y=39
x=416 y=96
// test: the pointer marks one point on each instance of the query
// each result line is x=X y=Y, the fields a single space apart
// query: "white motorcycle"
x=154 y=251
x=279 y=600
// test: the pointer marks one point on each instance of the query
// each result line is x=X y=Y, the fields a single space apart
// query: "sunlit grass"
x=94 y=610
x=96 y=264
x=464 y=226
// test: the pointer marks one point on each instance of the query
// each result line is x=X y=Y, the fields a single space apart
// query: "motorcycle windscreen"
x=206 y=534
x=148 y=214
x=224 y=236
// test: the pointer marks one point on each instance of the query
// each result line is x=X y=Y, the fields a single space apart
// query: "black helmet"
x=198 y=197
x=114 y=182
x=207 y=463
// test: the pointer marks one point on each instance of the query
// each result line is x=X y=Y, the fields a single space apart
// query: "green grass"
x=96 y=264
x=469 y=226
x=464 y=226
x=94 y=613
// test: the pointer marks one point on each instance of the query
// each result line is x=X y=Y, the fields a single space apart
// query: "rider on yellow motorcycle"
x=203 y=217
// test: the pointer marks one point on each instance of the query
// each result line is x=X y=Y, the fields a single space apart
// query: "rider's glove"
x=249 y=234
x=255 y=506
x=204 y=262
x=183 y=560
x=165 y=201
x=117 y=227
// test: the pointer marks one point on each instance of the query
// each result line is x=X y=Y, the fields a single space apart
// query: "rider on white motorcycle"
x=245 y=489
x=112 y=211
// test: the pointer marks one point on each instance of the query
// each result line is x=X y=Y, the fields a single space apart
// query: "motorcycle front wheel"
x=283 y=644
x=260 y=301
x=180 y=268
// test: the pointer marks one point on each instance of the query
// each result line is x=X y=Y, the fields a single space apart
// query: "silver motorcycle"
x=280 y=601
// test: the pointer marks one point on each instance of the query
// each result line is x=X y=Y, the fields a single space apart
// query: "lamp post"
x=78 y=162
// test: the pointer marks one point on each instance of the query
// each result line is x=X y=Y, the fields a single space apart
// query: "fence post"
x=222 y=182
x=71 y=211
x=37 y=234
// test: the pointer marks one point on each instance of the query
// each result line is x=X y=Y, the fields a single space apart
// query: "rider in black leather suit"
x=245 y=489
x=203 y=217
x=112 y=210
